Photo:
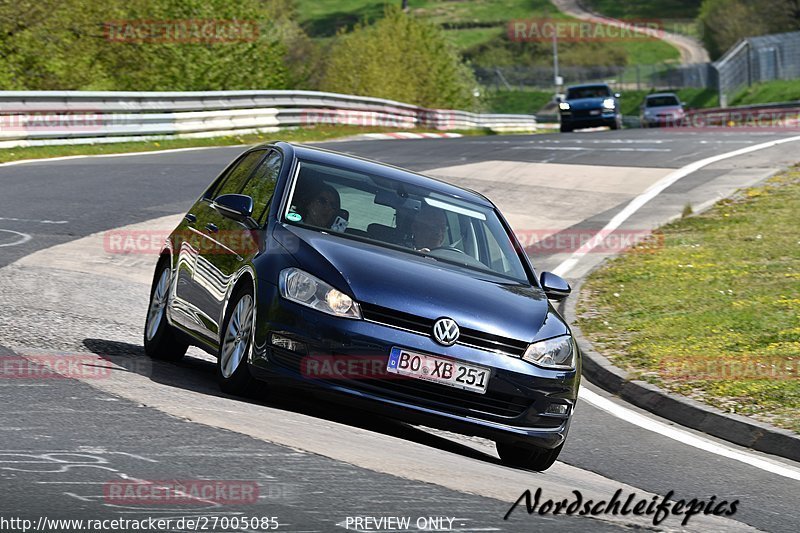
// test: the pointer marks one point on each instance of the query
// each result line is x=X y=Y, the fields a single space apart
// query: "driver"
x=428 y=229
x=322 y=205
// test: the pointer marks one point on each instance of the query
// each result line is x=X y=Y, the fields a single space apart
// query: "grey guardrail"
x=67 y=117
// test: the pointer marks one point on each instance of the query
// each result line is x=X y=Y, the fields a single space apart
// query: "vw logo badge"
x=445 y=331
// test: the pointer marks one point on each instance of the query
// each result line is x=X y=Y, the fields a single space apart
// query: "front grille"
x=431 y=395
x=585 y=113
x=424 y=326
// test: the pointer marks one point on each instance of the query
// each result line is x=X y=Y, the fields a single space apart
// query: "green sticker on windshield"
x=294 y=217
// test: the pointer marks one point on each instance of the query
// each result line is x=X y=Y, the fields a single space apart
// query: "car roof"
x=588 y=85
x=661 y=94
x=368 y=166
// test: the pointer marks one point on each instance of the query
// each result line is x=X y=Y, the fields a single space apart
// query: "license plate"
x=438 y=370
x=594 y=112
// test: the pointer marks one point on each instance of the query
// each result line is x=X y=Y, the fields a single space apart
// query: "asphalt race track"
x=318 y=467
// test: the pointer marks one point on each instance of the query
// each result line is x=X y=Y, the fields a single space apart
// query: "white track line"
x=123 y=154
x=629 y=415
x=653 y=191
x=23 y=238
x=685 y=437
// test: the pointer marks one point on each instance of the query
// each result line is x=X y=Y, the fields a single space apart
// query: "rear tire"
x=161 y=341
x=527 y=457
x=236 y=343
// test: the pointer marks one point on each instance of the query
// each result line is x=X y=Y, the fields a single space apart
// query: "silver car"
x=662 y=109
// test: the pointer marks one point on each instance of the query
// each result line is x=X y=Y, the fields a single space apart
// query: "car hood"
x=426 y=287
x=587 y=103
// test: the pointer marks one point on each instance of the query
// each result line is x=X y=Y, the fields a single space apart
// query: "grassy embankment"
x=715 y=313
x=468 y=24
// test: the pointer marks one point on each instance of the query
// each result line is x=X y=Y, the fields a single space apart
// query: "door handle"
x=190 y=218
x=212 y=227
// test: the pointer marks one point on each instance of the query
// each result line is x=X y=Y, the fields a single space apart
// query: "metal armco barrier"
x=78 y=117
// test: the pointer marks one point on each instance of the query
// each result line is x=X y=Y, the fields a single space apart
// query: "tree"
x=82 y=44
x=724 y=22
x=401 y=58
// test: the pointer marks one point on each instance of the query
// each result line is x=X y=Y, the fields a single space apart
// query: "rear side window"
x=236 y=177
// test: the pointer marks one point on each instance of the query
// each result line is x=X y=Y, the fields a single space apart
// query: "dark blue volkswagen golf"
x=369 y=284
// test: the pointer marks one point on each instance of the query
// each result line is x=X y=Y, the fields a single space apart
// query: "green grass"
x=319 y=133
x=467 y=38
x=697 y=98
x=649 y=51
x=324 y=17
x=772 y=91
x=441 y=12
x=714 y=313
x=647 y=9
x=517 y=102
x=677 y=16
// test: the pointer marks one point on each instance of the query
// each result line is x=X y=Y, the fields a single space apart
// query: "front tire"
x=527 y=457
x=236 y=344
x=565 y=129
x=161 y=341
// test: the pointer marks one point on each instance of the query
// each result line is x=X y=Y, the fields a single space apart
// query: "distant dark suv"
x=587 y=106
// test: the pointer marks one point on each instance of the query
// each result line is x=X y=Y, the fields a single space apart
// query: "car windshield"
x=402 y=216
x=593 y=91
x=662 y=101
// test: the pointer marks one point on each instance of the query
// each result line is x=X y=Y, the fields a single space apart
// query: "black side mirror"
x=555 y=287
x=238 y=207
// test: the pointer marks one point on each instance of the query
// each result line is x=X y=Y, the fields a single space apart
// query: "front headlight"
x=558 y=353
x=564 y=106
x=609 y=103
x=305 y=289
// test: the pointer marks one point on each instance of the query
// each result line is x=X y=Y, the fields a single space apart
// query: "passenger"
x=428 y=229
x=321 y=205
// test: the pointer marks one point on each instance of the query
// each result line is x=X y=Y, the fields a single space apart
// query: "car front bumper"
x=585 y=118
x=289 y=337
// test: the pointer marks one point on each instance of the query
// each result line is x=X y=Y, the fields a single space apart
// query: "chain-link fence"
x=758 y=59
x=751 y=60
x=639 y=77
